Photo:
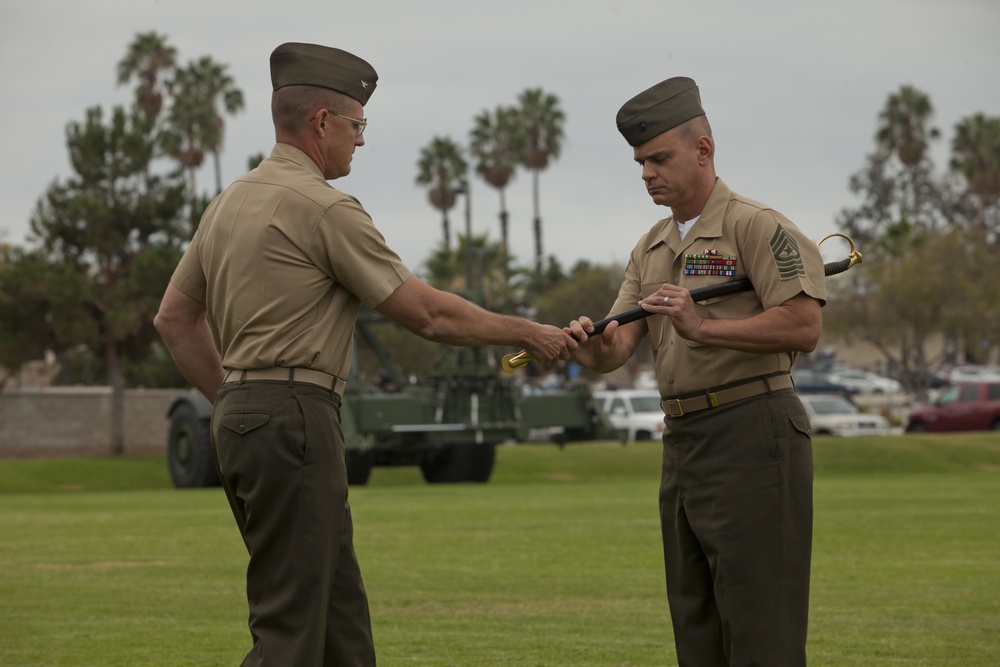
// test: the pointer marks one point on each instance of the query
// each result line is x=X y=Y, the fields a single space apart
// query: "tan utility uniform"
x=736 y=484
x=282 y=261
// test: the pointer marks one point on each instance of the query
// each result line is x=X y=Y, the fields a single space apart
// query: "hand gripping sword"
x=512 y=362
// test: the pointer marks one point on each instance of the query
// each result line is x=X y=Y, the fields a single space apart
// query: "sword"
x=512 y=362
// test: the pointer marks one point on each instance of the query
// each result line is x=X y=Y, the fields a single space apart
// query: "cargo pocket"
x=244 y=422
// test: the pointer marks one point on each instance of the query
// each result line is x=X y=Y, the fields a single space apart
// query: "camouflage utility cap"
x=296 y=64
x=658 y=109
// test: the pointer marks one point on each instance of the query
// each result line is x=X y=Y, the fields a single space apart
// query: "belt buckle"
x=668 y=405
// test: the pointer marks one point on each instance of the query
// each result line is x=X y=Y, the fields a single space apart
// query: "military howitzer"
x=448 y=425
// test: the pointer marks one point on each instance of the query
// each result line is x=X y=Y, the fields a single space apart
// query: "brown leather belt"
x=306 y=375
x=678 y=407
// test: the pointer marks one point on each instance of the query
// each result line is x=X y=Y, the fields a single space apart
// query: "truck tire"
x=450 y=465
x=189 y=450
x=359 y=466
x=460 y=463
x=481 y=462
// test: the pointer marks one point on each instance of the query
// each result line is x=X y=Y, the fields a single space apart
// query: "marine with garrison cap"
x=259 y=316
x=736 y=481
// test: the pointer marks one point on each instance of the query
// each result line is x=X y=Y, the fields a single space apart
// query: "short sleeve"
x=780 y=260
x=189 y=276
x=353 y=252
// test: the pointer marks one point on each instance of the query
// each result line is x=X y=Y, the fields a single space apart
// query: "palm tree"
x=442 y=166
x=498 y=141
x=975 y=151
x=903 y=125
x=211 y=80
x=190 y=126
x=542 y=120
x=148 y=57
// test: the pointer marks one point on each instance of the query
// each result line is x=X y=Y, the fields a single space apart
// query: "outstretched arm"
x=446 y=318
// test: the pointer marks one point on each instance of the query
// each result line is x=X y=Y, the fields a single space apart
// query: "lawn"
x=555 y=562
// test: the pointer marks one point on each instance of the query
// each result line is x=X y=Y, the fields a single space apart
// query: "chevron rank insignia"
x=787 y=258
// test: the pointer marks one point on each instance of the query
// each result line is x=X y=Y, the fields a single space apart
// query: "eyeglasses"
x=359 y=123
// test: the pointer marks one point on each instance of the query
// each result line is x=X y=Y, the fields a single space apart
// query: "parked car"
x=969 y=373
x=813 y=382
x=969 y=406
x=637 y=411
x=863 y=382
x=834 y=414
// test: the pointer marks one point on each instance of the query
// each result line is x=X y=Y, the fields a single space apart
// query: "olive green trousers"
x=736 y=516
x=280 y=454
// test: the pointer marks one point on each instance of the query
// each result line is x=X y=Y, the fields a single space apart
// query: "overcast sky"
x=792 y=89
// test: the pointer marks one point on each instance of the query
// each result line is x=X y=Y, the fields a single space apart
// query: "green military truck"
x=448 y=425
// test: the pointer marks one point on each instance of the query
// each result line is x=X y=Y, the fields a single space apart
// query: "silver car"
x=832 y=414
x=863 y=382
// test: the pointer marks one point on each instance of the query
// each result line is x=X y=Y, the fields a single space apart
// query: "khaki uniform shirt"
x=734 y=238
x=282 y=261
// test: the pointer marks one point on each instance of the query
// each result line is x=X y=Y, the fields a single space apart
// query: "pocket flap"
x=244 y=422
x=802 y=424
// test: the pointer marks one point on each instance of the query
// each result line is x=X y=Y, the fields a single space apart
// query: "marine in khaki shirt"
x=734 y=238
x=735 y=495
x=259 y=316
x=282 y=261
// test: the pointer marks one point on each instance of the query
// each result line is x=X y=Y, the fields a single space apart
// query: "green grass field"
x=555 y=562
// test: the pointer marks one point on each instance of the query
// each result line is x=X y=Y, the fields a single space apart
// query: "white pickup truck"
x=637 y=411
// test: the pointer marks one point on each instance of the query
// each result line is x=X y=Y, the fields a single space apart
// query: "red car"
x=972 y=406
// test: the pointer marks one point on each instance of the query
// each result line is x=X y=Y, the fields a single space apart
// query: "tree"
x=932 y=283
x=442 y=166
x=254 y=161
x=975 y=151
x=497 y=142
x=32 y=292
x=199 y=94
x=588 y=290
x=190 y=126
x=489 y=275
x=903 y=126
x=542 y=120
x=108 y=239
x=891 y=195
x=897 y=183
x=210 y=81
x=149 y=59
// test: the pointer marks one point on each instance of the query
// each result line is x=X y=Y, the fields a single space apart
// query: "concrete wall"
x=67 y=421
